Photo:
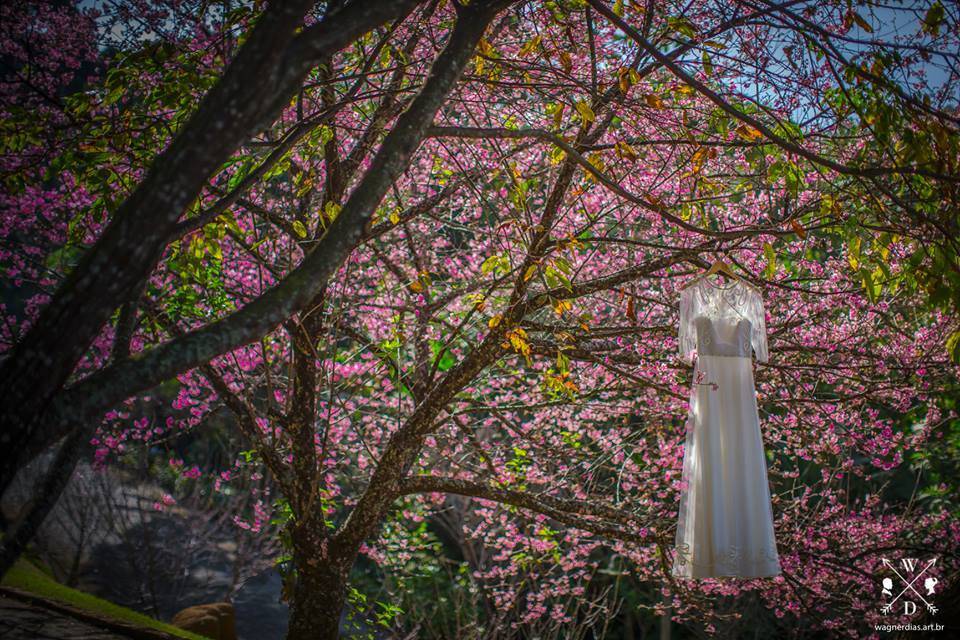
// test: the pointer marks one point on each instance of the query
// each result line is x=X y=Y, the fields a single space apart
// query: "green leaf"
x=497 y=263
x=771 y=257
x=682 y=25
x=933 y=19
x=870 y=285
x=953 y=347
x=230 y=222
x=792 y=179
x=326 y=135
x=442 y=356
x=863 y=24
x=707 y=64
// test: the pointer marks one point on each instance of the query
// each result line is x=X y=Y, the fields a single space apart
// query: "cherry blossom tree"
x=430 y=253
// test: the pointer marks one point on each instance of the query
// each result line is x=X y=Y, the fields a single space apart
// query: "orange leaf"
x=748 y=133
x=654 y=101
x=698 y=158
x=624 y=80
x=798 y=228
x=562 y=305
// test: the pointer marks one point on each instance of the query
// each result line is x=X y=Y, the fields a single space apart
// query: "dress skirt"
x=725 y=524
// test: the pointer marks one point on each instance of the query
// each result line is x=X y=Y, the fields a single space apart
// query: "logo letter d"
x=909 y=608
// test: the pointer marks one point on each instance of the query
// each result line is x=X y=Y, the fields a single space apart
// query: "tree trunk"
x=48 y=491
x=316 y=605
x=319 y=586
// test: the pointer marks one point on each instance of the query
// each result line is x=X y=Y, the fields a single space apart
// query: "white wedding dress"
x=725 y=525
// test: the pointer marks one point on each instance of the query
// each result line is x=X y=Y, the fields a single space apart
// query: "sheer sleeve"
x=758 y=333
x=687 y=335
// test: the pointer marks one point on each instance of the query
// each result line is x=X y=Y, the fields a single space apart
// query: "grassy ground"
x=28 y=577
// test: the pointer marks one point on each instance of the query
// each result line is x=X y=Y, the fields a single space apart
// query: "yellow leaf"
x=394 y=216
x=485 y=47
x=299 y=229
x=517 y=338
x=530 y=46
x=885 y=253
x=562 y=305
x=557 y=155
x=624 y=150
x=494 y=321
x=586 y=113
x=331 y=210
x=416 y=286
x=698 y=159
x=596 y=161
x=566 y=62
x=853 y=252
x=771 y=256
x=532 y=269
x=558 y=115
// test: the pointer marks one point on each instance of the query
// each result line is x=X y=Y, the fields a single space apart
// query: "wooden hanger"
x=718 y=266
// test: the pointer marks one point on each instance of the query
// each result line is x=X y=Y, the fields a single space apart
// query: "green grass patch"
x=28 y=577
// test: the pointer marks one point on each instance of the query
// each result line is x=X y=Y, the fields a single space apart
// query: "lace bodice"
x=722 y=320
